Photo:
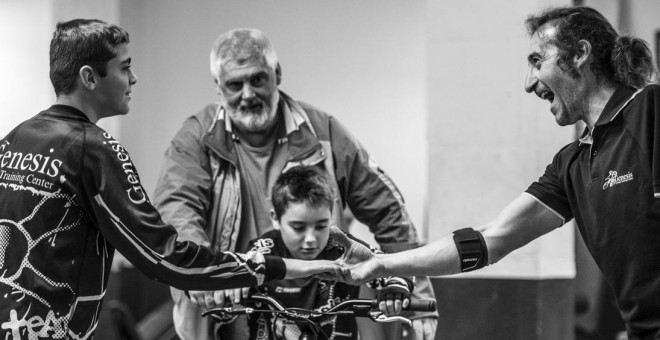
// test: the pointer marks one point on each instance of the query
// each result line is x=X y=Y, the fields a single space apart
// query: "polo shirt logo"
x=613 y=179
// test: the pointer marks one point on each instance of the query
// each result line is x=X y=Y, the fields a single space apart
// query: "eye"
x=537 y=63
x=298 y=228
x=321 y=226
x=258 y=81
x=234 y=85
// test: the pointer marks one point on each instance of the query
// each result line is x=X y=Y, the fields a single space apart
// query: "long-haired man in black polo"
x=608 y=180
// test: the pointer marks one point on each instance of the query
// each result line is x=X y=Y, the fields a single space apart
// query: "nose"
x=247 y=92
x=531 y=80
x=310 y=237
x=133 y=79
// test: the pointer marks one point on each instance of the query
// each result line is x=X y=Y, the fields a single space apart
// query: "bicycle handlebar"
x=415 y=305
x=422 y=305
x=357 y=307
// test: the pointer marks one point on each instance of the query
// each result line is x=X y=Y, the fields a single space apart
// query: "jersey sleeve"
x=117 y=202
x=549 y=191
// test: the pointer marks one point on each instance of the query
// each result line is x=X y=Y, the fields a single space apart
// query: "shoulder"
x=99 y=139
x=648 y=97
x=319 y=119
x=652 y=89
x=643 y=110
x=196 y=125
x=565 y=155
x=204 y=117
x=326 y=126
x=266 y=243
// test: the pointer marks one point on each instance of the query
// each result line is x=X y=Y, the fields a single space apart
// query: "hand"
x=358 y=264
x=218 y=298
x=355 y=251
x=286 y=329
x=360 y=273
x=421 y=329
x=393 y=297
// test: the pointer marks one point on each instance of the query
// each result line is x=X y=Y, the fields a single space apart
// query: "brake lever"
x=224 y=312
x=381 y=318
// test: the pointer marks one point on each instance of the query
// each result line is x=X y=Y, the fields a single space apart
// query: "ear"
x=273 y=219
x=278 y=73
x=583 y=54
x=217 y=86
x=88 y=77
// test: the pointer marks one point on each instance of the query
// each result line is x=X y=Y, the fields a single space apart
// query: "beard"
x=256 y=116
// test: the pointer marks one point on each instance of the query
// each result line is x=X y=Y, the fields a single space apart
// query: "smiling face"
x=249 y=93
x=305 y=229
x=112 y=92
x=550 y=82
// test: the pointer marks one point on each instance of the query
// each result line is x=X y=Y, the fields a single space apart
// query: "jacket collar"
x=299 y=133
x=66 y=111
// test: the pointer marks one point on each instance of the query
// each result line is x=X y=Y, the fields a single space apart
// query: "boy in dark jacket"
x=302 y=202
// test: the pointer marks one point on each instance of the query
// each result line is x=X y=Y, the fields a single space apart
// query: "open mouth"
x=547 y=95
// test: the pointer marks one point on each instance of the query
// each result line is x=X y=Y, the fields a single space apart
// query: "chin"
x=307 y=257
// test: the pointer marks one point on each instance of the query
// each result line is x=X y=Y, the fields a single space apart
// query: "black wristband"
x=472 y=250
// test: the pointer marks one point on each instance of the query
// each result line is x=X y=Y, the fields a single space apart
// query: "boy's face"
x=113 y=91
x=305 y=229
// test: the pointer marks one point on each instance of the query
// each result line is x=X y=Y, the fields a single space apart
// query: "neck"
x=596 y=101
x=82 y=105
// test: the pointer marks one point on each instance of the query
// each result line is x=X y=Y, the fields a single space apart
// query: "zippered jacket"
x=198 y=190
x=69 y=196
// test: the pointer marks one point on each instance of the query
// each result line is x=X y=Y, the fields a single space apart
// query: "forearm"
x=301 y=268
x=434 y=259
x=520 y=222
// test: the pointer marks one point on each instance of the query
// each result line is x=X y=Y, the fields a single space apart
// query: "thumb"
x=340 y=237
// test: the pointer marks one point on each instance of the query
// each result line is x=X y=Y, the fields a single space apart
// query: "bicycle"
x=308 y=321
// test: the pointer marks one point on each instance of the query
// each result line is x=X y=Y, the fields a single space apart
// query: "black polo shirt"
x=610 y=183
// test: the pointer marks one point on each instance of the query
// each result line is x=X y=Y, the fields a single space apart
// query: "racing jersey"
x=69 y=196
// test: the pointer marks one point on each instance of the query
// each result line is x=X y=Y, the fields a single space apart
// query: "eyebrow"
x=296 y=222
x=127 y=61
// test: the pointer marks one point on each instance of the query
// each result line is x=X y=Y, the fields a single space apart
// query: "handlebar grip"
x=421 y=306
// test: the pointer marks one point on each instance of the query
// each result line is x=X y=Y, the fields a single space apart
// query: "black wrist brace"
x=472 y=250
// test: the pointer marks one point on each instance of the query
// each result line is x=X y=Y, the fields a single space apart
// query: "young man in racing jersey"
x=70 y=195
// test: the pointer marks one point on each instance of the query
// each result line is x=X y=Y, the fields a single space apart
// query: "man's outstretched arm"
x=520 y=222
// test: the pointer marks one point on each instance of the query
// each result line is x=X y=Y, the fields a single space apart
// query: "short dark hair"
x=81 y=42
x=623 y=59
x=307 y=184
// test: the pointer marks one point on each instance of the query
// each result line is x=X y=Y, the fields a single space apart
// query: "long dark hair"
x=623 y=59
